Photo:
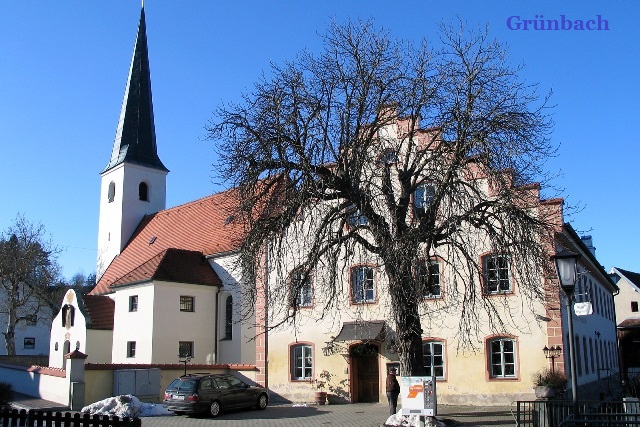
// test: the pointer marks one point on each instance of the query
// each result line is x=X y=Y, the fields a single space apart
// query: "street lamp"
x=552 y=353
x=184 y=358
x=567 y=268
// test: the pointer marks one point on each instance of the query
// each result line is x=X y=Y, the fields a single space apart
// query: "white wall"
x=133 y=326
x=241 y=348
x=119 y=219
x=158 y=325
x=76 y=334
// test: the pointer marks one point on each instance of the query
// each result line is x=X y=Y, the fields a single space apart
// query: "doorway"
x=365 y=373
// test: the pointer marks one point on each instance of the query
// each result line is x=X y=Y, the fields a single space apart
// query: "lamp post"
x=567 y=268
x=184 y=358
x=552 y=353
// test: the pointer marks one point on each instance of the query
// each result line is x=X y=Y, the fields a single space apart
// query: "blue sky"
x=64 y=64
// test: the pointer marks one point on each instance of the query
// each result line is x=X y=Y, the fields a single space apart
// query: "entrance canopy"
x=362 y=331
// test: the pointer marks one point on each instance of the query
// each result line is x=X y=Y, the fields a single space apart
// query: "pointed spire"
x=135 y=140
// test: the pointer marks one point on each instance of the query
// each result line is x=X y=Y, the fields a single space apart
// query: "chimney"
x=588 y=242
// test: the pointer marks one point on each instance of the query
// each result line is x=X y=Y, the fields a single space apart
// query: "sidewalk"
x=352 y=415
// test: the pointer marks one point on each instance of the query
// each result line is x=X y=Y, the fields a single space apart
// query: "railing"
x=15 y=418
x=555 y=413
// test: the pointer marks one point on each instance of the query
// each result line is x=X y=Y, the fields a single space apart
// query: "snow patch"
x=412 y=421
x=126 y=406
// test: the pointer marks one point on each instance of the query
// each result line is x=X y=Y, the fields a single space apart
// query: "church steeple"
x=135 y=140
x=134 y=182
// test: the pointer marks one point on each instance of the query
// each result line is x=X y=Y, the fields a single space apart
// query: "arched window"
x=228 y=319
x=143 y=192
x=112 y=192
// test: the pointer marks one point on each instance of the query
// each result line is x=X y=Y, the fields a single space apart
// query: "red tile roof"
x=99 y=310
x=205 y=225
x=173 y=265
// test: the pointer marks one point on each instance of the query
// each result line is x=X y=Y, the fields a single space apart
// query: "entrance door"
x=364 y=358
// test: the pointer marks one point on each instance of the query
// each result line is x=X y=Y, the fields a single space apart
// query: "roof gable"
x=632 y=278
x=205 y=226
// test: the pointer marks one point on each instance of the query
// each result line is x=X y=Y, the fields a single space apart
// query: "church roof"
x=99 y=311
x=205 y=226
x=173 y=265
x=135 y=140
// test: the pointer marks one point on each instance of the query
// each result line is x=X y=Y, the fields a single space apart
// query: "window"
x=301 y=289
x=186 y=303
x=29 y=343
x=301 y=362
x=502 y=353
x=634 y=306
x=131 y=349
x=496 y=273
x=228 y=318
x=185 y=349
x=388 y=157
x=435 y=364
x=362 y=286
x=428 y=274
x=355 y=218
x=31 y=319
x=112 y=192
x=133 y=303
x=143 y=192
x=423 y=198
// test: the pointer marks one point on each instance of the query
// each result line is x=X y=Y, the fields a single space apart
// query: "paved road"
x=353 y=415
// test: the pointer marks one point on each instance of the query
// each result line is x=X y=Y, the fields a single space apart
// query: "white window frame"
x=427 y=266
x=423 y=198
x=363 y=287
x=131 y=349
x=133 y=303
x=301 y=362
x=496 y=275
x=437 y=348
x=355 y=218
x=502 y=358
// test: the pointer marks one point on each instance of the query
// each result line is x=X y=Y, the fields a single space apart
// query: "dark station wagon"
x=212 y=393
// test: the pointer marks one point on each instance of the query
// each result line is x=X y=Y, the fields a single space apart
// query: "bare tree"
x=384 y=147
x=27 y=269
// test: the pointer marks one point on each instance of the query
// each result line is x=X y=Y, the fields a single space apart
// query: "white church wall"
x=66 y=336
x=241 y=347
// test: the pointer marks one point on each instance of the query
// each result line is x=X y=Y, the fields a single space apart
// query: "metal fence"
x=556 y=413
x=15 y=418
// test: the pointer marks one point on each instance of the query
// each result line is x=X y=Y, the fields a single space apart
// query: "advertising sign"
x=418 y=396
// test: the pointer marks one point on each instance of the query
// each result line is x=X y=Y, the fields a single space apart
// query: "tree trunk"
x=9 y=334
x=407 y=320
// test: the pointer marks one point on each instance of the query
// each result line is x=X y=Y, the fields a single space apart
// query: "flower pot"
x=545 y=392
x=320 y=397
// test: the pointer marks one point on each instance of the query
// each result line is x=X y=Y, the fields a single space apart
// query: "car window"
x=223 y=382
x=187 y=385
x=235 y=382
x=206 y=385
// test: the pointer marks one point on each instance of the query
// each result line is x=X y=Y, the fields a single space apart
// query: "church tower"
x=134 y=181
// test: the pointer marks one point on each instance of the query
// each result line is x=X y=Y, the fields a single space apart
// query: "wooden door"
x=367 y=377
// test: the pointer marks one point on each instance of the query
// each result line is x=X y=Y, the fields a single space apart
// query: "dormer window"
x=112 y=192
x=143 y=192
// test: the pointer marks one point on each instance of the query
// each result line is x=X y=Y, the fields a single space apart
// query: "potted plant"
x=320 y=395
x=548 y=383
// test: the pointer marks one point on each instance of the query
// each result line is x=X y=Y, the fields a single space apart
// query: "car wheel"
x=178 y=412
x=214 y=409
x=263 y=400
